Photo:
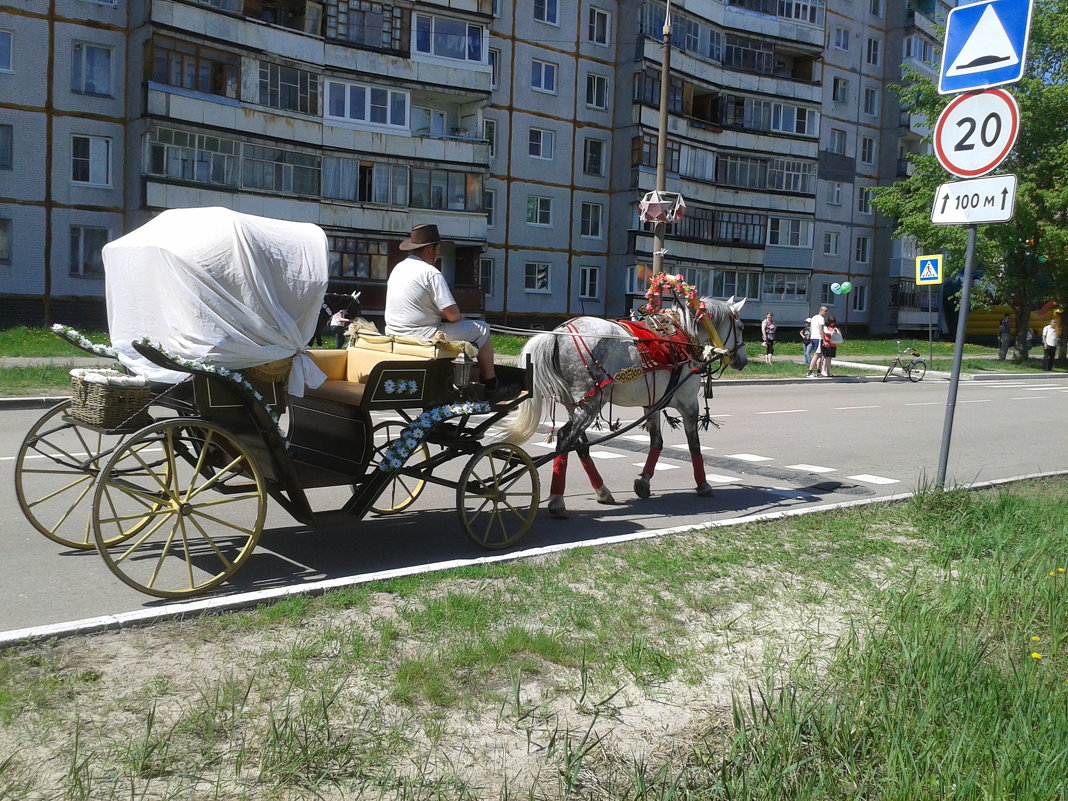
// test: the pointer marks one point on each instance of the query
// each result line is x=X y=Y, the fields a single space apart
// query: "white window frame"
x=541 y=74
x=873 y=52
x=549 y=11
x=862 y=249
x=834 y=193
x=827 y=297
x=841 y=37
x=78 y=263
x=8 y=51
x=864 y=200
x=794 y=286
x=858 y=298
x=587 y=142
x=541 y=143
x=417 y=20
x=486 y=269
x=598 y=24
x=439 y=121
x=79 y=75
x=591 y=220
x=538 y=277
x=489 y=133
x=840 y=90
x=539 y=211
x=831 y=242
x=350 y=114
x=876 y=8
x=100 y=150
x=839 y=141
x=867 y=150
x=871 y=101
x=596 y=91
x=489 y=205
x=789 y=232
x=589 y=282
x=493 y=56
x=791 y=119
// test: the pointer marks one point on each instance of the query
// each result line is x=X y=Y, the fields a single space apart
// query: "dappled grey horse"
x=588 y=362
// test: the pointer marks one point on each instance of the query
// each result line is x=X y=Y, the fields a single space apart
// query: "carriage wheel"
x=55 y=470
x=178 y=508
x=402 y=490
x=498 y=494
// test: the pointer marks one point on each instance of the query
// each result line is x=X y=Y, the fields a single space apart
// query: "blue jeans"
x=809 y=348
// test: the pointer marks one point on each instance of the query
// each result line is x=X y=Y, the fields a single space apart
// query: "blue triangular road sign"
x=986 y=45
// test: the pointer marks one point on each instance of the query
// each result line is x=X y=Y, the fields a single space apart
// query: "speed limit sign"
x=976 y=131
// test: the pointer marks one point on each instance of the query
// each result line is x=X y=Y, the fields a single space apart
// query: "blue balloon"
x=836 y=288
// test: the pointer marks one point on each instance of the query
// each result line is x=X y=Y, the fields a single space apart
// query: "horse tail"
x=540 y=356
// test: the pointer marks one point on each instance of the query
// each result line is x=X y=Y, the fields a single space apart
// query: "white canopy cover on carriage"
x=230 y=289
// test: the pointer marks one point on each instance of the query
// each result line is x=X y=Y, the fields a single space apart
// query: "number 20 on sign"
x=976 y=131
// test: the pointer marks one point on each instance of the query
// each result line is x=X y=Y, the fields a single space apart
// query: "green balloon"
x=846 y=286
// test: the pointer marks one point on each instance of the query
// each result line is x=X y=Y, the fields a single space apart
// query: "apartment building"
x=526 y=129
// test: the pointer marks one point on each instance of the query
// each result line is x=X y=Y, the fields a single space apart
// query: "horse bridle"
x=726 y=354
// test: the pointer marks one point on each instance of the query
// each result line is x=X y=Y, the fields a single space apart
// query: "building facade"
x=526 y=129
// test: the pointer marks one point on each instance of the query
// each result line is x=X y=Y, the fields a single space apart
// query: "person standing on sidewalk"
x=1050 y=338
x=1004 y=338
x=815 y=337
x=768 y=330
x=829 y=345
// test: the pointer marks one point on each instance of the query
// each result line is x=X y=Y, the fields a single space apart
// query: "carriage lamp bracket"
x=462 y=367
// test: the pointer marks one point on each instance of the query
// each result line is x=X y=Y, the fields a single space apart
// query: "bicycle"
x=914 y=370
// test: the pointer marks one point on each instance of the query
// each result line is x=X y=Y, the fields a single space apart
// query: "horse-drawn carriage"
x=165 y=465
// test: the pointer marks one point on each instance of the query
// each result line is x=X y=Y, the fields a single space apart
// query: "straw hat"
x=421 y=236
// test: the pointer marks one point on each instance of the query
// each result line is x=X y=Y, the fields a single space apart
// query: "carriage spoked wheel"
x=403 y=490
x=55 y=471
x=178 y=508
x=498 y=494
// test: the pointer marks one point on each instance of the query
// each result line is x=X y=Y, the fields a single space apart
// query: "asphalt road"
x=779 y=446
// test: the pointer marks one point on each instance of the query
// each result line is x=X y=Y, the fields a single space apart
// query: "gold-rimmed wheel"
x=497 y=495
x=403 y=490
x=55 y=471
x=178 y=508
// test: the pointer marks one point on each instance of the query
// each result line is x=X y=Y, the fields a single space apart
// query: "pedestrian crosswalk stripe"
x=870 y=479
x=659 y=465
x=811 y=468
x=748 y=457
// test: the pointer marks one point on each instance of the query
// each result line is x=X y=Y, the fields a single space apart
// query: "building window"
x=871 y=101
x=90 y=161
x=495 y=67
x=876 y=8
x=793 y=119
x=85 y=245
x=643 y=152
x=593 y=156
x=489 y=205
x=742 y=171
x=867 y=150
x=860 y=253
x=872 y=55
x=539 y=210
x=448 y=38
x=199 y=69
x=589 y=281
x=540 y=144
x=373 y=24
x=785 y=286
x=863 y=200
x=546 y=11
x=827 y=297
x=792 y=175
x=6 y=41
x=597 y=28
x=737 y=228
x=365 y=181
x=920 y=49
x=485 y=276
x=193 y=157
x=596 y=91
x=834 y=193
x=90 y=70
x=788 y=232
x=728 y=283
x=536 y=276
x=543 y=76
x=840 y=90
x=859 y=298
x=841 y=38
x=495 y=8
x=749 y=55
x=830 y=243
x=288 y=88
x=273 y=169
x=443 y=189
x=355 y=102
x=489 y=133
x=7 y=146
x=5 y=242
x=352 y=257
x=591 y=220
x=838 y=141
x=428 y=122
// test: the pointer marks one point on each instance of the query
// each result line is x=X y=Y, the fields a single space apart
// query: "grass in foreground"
x=911 y=651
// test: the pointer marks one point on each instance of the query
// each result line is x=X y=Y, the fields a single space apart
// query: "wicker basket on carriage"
x=109 y=399
x=270 y=380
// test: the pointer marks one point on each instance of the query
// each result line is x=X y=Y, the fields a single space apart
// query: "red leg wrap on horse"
x=559 y=474
x=698 y=468
x=650 y=462
x=591 y=470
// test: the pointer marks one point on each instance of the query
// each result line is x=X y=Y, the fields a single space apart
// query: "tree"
x=1024 y=261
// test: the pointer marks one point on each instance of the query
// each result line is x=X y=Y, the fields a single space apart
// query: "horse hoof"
x=704 y=490
x=604 y=496
x=641 y=487
x=557 y=508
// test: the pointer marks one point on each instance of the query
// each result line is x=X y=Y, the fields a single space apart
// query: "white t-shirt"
x=416 y=292
x=814 y=326
x=1049 y=336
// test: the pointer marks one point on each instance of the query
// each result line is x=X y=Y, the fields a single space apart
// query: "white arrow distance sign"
x=981 y=200
x=976 y=131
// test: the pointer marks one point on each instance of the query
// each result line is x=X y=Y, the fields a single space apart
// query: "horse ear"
x=730 y=300
x=736 y=307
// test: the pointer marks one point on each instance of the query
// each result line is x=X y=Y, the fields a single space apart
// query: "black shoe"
x=502 y=392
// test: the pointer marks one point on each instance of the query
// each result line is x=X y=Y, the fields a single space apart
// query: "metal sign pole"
x=660 y=226
x=958 y=351
x=930 y=325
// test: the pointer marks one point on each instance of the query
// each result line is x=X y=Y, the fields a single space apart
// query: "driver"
x=420 y=304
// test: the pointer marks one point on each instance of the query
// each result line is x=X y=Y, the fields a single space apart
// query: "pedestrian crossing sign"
x=928 y=270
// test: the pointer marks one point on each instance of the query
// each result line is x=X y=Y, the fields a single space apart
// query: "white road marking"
x=977 y=400
x=719 y=479
x=869 y=479
x=659 y=465
x=748 y=457
x=927 y=403
x=606 y=455
x=786 y=411
x=811 y=468
x=1029 y=397
x=637 y=437
x=843 y=408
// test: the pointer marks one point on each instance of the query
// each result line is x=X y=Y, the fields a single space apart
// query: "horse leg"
x=656 y=445
x=557 y=508
x=571 y=434
x=693 y=440
x=603 y=493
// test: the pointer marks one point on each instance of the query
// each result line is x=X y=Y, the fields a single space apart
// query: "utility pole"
x=660 y=226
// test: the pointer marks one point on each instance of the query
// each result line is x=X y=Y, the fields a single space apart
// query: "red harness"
x=659 y=351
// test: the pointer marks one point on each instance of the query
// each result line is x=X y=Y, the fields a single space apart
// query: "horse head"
x=723 y=331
